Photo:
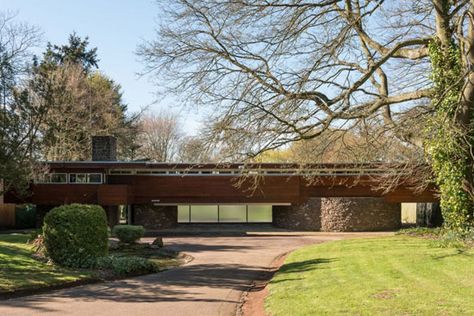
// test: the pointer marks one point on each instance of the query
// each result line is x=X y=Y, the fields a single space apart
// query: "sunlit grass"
x=384 y=276
x=19 y=270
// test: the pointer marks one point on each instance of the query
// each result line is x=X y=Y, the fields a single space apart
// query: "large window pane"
x=78 y=178
x=260 y=213
x=203 y=213
x=183 y=213
x=58 y=177
x=232 y=213
x=95 y=178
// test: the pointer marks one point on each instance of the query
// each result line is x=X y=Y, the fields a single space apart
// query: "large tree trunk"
x=465 y=112
x=443 y=30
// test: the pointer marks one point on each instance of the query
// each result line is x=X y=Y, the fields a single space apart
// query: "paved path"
x=223 y=267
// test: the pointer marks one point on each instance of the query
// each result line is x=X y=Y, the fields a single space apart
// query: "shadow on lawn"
x=307 y=265
x=459 y=252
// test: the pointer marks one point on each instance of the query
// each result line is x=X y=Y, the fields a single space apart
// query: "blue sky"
x=115 y=27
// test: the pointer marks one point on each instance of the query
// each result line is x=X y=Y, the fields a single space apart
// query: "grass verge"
x=398 y=275
x=20 y=272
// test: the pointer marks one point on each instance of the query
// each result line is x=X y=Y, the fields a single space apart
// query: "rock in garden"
x=158 y=242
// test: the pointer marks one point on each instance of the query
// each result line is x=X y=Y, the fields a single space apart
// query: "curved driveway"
x=223 y=268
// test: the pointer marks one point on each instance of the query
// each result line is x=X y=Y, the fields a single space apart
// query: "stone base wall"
x=155 y=217
x=359 y=214
x=306 y=216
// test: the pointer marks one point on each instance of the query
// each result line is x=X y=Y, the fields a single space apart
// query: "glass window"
x=85 y=178
x=72 y=178
x=233 y=213
x=260 y=213
x=95 y=178
x=183 y=213
x=204 y=213
x=58 y=178
x=81 y=178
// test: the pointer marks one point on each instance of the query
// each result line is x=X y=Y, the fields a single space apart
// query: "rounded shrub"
x=128 y=233
x=75 y=235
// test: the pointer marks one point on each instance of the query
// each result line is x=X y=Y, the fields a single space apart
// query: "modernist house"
x=162 y=195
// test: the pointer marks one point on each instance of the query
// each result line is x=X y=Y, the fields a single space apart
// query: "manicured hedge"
x=76 y=235
x=128 y=233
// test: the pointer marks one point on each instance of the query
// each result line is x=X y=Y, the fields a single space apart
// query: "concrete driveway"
x=212 y=284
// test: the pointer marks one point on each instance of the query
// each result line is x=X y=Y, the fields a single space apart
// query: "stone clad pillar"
x=305 y=216
x=345 y=214
x=155 y=217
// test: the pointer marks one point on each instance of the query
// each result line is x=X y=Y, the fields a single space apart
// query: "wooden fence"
x=7 y=215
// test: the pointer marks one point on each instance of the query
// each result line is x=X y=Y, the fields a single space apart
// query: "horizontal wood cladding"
x=209 y=189
x=58 y=194
x=429 y=195
x=137 y=189
x=113 y=194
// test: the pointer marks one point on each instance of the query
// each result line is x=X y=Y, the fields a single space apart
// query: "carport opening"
x=409 y=213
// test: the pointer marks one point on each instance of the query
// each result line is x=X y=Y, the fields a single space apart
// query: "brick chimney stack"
x=104 y=148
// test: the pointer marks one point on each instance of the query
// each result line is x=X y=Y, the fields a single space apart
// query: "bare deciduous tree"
x=283 y=71
x=276 y=72
x=193 y=149
x=160 y=137
x=20 y=117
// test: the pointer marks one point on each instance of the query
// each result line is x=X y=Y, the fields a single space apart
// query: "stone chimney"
x=104 y=148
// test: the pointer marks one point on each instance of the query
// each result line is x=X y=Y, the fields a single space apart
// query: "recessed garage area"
x=237 y=213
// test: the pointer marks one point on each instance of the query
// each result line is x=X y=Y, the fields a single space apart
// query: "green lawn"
x=398 y=275
x=19 y=271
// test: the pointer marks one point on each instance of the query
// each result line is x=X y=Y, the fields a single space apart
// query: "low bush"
x=421 y=232
x=442 y=237
x=75 y=235
x=25 y=216
x=128 y=233
x=126 y=265
x=454 y=239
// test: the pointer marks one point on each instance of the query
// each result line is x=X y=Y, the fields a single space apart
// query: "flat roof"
x=160 y=165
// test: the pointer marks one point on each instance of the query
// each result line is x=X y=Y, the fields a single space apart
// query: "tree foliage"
x=76 y=51
x=89 y=104
x=447 y=145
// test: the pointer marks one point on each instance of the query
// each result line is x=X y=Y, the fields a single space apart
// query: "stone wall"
x=306 y=216
x=359 y=214
x=155 y=217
